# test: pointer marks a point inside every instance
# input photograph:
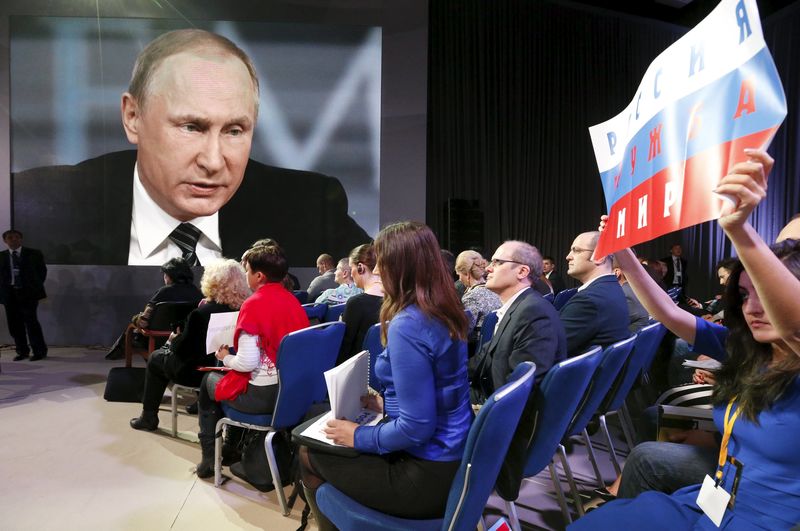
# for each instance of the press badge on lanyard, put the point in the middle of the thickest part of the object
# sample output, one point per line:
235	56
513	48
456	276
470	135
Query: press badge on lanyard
713	498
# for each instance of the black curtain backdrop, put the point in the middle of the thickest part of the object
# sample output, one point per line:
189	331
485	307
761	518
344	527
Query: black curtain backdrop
513	88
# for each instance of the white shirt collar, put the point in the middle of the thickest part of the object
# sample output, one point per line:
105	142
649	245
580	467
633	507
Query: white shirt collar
504	308
151	227
584	286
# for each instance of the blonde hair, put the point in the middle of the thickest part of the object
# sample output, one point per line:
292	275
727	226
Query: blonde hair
471	263
224	281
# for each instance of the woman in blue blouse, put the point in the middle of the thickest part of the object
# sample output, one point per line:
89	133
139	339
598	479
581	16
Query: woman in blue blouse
407	462
757	391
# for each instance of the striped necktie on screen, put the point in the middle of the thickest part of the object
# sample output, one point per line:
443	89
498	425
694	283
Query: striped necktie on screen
185	236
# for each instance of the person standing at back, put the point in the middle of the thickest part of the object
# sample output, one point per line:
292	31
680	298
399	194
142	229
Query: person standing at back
22	275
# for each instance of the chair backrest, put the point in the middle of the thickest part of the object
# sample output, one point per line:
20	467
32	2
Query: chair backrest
301	295
550	297
564	296
169	314
644	350
611	365
372	343
556	400
334	312
487	443
675	293
315	310
487	328
303	357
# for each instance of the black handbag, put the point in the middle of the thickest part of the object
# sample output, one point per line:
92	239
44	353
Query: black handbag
125	384
254	466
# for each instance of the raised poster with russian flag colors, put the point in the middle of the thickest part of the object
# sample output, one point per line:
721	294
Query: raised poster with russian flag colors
702	101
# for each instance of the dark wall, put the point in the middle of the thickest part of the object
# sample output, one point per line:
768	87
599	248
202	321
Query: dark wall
513	88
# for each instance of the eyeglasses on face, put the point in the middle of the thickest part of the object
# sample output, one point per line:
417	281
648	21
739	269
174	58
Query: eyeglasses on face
498	262
576	250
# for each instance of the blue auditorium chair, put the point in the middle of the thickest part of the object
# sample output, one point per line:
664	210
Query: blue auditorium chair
556	401
487	328
334	312
372	343
487	443
303	356
612	362
645	349
316	311
564	296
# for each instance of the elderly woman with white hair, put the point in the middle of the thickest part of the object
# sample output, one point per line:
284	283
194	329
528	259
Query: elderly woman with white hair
224	286
478	299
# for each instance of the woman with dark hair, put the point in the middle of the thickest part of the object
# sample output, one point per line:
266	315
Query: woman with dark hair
407	462
757	392
178	287
362	310
266	316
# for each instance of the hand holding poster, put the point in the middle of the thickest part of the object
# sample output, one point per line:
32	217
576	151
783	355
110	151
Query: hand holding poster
701	102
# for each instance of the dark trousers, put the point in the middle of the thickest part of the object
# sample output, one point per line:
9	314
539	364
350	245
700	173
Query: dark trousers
163	367
257	400
23	325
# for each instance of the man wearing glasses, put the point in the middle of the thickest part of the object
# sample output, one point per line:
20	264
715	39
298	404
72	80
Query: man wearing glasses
528	328
598	313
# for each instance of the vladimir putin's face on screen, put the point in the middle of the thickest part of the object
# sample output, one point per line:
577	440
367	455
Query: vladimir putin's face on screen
193	131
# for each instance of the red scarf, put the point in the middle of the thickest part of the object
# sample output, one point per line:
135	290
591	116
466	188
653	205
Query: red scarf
270	313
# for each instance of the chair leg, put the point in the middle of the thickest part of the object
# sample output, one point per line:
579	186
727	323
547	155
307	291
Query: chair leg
559	493
611	453
627	426
276	476
511	510
219	435
174	406
129	345
593	459
576	498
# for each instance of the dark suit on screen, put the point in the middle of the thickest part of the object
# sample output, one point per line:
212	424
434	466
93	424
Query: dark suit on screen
596	315
22	300
529	331
82	214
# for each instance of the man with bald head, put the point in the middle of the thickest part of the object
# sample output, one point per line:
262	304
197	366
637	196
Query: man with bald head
190	188
528	328
598	313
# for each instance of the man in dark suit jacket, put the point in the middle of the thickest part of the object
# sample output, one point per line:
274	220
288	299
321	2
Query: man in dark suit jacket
549	270
598	313
528	327
676	276
22	275
190	188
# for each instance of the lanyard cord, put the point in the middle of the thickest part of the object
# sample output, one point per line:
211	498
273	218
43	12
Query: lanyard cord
726	436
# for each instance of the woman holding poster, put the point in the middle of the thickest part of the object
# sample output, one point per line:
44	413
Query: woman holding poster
757	392
407	463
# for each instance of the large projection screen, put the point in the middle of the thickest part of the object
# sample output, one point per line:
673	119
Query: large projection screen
344	90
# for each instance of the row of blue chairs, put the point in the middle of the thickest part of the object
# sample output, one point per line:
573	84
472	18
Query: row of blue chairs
572	393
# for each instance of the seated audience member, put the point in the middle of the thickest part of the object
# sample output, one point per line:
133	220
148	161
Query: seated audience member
407	463
326	278
470	268
266	316
543	286
225	288
636	312
528	328
178	287
714	308
450	262
598	313
549	271
362	310
757	391
346	289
